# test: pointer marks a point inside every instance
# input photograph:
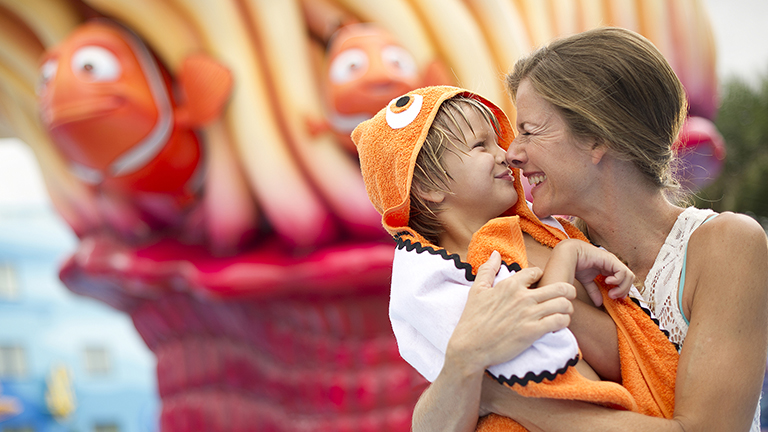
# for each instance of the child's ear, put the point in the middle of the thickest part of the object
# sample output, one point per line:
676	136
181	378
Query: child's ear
431	195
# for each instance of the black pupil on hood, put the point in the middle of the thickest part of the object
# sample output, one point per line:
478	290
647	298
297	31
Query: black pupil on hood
403	101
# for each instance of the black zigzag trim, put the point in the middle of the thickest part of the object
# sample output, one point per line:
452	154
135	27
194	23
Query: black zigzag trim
532	377
655	320
409	245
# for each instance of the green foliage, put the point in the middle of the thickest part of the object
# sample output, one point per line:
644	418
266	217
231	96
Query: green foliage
743	121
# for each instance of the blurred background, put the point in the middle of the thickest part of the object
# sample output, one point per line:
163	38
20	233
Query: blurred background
70	362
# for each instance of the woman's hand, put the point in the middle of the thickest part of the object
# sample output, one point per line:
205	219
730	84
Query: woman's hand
497	324
500	322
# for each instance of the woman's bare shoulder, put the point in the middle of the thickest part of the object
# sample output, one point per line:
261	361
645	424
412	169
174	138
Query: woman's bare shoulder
729	230
729	247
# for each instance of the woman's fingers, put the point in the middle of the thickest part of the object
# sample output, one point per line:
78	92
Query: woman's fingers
522	279
529	276
499	323
486	273
553	323
554	290
556	306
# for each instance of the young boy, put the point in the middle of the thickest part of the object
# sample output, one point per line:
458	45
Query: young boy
433	164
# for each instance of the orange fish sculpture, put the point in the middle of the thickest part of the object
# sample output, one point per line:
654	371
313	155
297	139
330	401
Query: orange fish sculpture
366	68
123	125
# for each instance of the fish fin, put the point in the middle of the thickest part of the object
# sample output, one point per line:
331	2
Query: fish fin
206	85
317	126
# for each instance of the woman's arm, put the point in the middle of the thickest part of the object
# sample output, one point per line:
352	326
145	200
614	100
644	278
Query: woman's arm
722	362
497	324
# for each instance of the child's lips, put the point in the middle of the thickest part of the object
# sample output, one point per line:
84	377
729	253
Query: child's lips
506	175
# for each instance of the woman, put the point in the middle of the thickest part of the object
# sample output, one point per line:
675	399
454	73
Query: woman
597	114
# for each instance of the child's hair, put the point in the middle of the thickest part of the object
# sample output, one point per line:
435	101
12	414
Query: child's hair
429	174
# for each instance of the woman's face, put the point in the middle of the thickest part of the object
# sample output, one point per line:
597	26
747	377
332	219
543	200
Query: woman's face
557	165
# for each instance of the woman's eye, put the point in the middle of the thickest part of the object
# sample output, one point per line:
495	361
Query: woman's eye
94	63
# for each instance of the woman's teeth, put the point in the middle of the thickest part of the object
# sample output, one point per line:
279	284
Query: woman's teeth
535	179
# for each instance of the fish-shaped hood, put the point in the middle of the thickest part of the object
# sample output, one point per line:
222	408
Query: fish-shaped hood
389	143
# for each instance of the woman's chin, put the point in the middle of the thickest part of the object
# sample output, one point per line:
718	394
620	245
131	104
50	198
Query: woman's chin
540	211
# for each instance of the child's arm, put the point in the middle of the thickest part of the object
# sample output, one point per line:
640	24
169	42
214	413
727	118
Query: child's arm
576	259
593	328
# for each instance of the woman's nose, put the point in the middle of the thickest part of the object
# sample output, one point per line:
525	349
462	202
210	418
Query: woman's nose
515	155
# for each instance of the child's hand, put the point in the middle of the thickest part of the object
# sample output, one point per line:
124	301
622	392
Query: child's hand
590	262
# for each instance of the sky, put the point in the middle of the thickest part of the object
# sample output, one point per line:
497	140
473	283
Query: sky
741	37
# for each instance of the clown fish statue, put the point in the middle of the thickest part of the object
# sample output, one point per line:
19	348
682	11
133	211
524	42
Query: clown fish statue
365	68
124	126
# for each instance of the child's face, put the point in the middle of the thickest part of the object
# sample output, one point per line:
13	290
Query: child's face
482	186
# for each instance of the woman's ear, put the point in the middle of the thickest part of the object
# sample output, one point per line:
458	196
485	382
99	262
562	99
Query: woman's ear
599	149
432	195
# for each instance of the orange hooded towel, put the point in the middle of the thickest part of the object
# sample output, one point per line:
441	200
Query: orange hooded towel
388	145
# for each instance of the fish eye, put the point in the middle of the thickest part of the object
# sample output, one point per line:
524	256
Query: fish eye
47	72
400	60
94	63
348	65
403	110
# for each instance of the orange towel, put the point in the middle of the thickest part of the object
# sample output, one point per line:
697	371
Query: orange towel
648	358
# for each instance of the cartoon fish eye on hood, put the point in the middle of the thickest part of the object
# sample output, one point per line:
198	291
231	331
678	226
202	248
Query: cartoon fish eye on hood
403	110
94	64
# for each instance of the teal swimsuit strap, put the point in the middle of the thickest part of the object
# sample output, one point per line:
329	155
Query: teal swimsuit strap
682	278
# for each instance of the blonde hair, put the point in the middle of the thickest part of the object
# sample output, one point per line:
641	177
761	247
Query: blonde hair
612	85
429	173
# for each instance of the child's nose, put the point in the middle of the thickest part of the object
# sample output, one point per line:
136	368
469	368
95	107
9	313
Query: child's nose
500	156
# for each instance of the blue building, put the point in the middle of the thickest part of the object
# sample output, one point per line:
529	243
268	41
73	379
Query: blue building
69	363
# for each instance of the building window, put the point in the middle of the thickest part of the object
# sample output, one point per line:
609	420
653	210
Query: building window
97	361
9	287
13	362
106	427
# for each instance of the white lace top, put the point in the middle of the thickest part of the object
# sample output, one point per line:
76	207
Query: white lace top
663	289
661	285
